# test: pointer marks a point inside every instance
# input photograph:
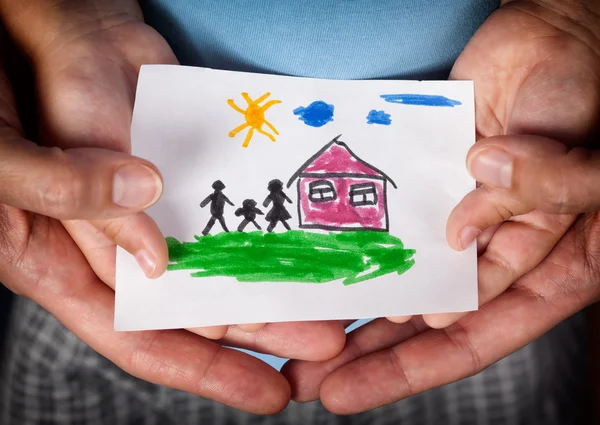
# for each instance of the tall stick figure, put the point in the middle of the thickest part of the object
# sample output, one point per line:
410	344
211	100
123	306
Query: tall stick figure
217	202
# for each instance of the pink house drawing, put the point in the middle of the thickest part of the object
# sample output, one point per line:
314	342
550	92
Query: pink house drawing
339	191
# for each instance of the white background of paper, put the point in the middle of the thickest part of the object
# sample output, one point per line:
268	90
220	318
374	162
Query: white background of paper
181	123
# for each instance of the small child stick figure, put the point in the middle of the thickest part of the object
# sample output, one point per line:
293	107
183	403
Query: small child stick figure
249	211
217	202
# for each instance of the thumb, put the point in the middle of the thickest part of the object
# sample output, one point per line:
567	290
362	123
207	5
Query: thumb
540	172
87	183
520	174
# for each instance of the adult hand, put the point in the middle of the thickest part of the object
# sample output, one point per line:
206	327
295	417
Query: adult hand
86	77
87	57
536	72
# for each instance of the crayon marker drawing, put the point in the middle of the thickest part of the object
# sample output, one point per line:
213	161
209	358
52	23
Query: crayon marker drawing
421	100
254	115
293	256
336	191
378	117
317	114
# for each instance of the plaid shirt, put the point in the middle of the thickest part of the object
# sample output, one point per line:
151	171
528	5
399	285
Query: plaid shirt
50	377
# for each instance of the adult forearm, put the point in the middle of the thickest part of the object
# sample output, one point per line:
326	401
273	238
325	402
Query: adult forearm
36	24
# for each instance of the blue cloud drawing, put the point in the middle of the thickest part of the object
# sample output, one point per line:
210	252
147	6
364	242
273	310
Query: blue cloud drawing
317	114
378	117
421	100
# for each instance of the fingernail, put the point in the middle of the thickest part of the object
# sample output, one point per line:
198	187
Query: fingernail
399	319
492	166
136	186
467	236
146	261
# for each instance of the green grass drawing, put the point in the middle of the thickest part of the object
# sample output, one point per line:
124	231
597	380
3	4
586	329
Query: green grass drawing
293	256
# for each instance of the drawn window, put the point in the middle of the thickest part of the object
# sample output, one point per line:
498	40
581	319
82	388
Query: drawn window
363	194
321	191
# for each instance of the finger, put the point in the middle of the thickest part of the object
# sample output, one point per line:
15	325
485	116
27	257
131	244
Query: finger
306	377
99	251
86	183
399	319
437	357
251	327
140	236
210	332
314	341
485	237
541	172
520	174
478	211
517	248
56	276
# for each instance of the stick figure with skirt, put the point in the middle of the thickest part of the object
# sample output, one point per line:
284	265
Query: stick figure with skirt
278	212
217	202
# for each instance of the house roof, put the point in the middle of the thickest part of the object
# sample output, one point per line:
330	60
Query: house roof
336	158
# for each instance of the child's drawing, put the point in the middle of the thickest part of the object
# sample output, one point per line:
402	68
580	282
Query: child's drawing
314	226
293	256
255	117
421	100
378	117
339	191
317	114
217	202
249	212
278	213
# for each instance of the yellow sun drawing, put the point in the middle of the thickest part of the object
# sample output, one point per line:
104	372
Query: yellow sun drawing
255	117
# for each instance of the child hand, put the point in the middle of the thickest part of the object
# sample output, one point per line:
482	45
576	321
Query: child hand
86	87
96	71
535	73
527	181
86	66
520	175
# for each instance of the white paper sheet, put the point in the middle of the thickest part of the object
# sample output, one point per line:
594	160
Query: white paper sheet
182	120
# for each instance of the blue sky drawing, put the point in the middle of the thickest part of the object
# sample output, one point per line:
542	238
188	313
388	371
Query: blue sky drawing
317	114
421	100
378	117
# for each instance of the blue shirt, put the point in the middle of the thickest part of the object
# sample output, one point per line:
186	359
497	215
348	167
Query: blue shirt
341	39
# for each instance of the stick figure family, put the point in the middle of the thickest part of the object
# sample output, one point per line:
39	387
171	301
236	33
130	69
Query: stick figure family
248	210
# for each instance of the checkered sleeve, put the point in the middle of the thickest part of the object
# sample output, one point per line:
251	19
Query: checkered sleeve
49	377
